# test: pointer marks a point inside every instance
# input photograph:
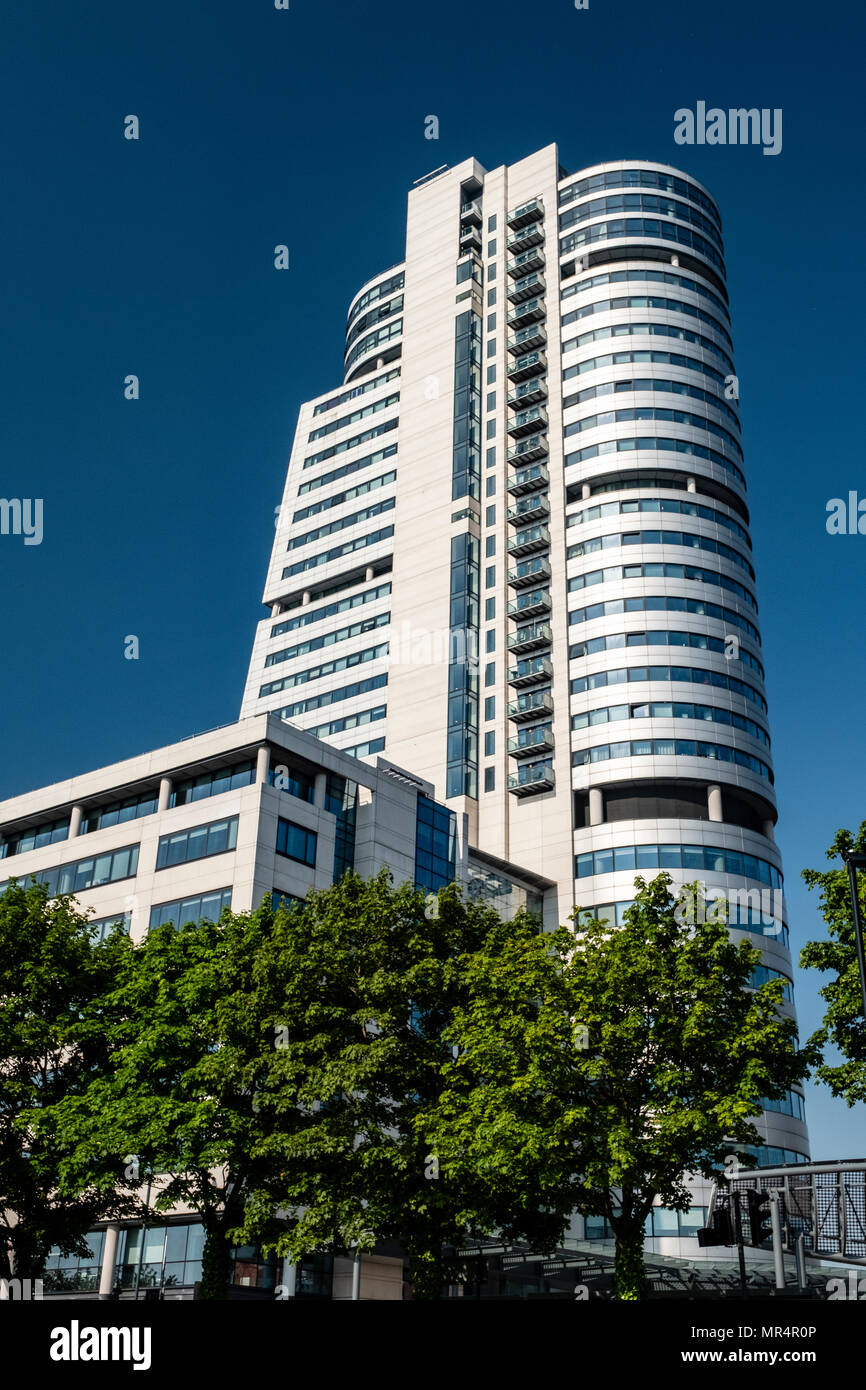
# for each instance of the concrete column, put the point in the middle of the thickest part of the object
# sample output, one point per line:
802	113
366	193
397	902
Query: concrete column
319	785
75	822
165	789
370	573
585	490
289	1278
596	806
356	1277
691	485
767	830
109	1261
305	597
263	763
714	803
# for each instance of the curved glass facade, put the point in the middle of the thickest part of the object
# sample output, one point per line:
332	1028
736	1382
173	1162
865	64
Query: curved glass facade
692	466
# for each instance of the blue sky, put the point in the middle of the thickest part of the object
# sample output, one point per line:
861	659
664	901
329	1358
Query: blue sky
306	127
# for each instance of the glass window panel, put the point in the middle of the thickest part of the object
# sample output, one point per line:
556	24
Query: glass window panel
647	856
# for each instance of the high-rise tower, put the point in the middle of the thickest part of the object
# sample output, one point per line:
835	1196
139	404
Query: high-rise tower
513	552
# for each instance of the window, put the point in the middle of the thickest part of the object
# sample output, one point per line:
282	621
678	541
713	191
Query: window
491	374
203	907
468	270
341	799
75	1273
89	873
490	489
220	779
337	552
292	780
489	743
101	927
491	347
295	842
489	608
160	1256
328	639
491	328
330	609
491	429
490	640
118	812
489	576
35	837
490	546
491	271
491	400
491	222
435	844
491	247
490	673
490	707
491	457
201	842
327	668
489	779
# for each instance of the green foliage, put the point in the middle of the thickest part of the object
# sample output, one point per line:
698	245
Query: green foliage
363	983
188	1040
599	1069
843	1025
52	1045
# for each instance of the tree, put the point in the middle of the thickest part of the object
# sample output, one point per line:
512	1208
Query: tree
612	1062
843	1025
364	979
188	1043
52	1044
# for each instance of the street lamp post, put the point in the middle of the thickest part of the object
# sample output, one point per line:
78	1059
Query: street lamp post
853	863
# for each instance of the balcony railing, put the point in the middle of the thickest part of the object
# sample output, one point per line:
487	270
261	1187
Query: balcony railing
528	572
530	706
530	638
530	605
527	421
532	671
525	542
529	392
533	259
528	450
531	778
470	239
471	212
529	742
530	479
529	312
532	234
526	287
535	507
529	364
534	335
526	213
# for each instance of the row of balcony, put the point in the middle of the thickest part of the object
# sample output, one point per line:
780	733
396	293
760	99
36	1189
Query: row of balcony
531	640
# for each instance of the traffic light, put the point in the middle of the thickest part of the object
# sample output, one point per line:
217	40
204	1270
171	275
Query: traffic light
760	1222
721	1229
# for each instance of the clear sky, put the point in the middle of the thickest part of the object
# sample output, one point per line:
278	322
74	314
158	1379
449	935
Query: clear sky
306	127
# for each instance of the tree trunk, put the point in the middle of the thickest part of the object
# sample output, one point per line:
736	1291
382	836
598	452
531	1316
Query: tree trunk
215	1265
630	1273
